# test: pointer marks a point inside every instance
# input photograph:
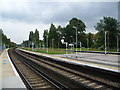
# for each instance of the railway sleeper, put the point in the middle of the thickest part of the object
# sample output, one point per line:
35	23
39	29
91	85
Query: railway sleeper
67	74
35	82
40	84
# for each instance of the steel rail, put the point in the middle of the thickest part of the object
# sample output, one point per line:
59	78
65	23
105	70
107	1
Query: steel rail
100	82
55	83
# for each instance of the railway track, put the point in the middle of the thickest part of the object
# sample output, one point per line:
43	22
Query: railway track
32	78
62	74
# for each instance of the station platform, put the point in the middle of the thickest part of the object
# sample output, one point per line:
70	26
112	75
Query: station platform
107	62
9	78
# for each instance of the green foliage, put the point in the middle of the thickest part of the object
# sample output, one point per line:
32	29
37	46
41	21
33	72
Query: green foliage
79	24
36	38
112	27
60	35
45	37
4	40
1	37
53	36
69	32
25	43
33	38
90	39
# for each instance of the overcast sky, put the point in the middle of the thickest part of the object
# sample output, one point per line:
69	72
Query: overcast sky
18	18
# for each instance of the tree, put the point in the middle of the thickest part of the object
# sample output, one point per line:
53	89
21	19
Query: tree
59	34
69	32
1	37
45	37
31	38
90	37
25	43
36	38
4	40
111	26
79	24
53	36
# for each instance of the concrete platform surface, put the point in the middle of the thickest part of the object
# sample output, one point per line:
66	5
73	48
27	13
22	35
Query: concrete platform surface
9	78
108	62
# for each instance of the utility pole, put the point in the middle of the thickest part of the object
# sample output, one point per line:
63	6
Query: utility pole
105	43
87	44
117	44
76	40
32	45
52	43
58	45
47	42
66	47
80	46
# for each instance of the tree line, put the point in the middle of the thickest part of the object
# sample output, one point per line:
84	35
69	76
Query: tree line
52	36
5	41
33	41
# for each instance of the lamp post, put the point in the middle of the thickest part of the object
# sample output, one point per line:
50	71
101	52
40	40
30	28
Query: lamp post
32	45
58	45
47	41
105	43
87	44
70	40
80	46
62	40
76	40
117	44
52	43
4	46
66	47
71	43
40	45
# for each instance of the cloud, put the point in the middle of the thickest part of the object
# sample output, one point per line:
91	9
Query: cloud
30	12
48	12
26	16
87	12
19	31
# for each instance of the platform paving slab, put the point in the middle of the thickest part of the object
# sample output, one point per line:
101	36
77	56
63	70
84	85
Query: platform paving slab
9	76
108	62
